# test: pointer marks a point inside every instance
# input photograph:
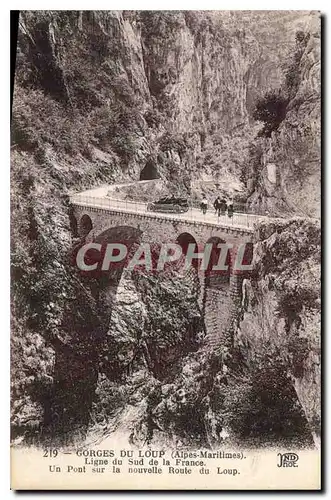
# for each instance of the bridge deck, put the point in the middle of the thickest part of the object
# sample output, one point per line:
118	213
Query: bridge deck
238	220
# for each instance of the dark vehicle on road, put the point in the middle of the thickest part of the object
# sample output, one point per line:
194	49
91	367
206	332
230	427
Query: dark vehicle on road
169	204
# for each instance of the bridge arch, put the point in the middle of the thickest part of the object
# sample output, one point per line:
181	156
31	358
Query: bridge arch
85	225
149	172
184	239
126	235
221	278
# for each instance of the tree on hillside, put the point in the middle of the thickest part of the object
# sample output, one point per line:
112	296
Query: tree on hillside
270	109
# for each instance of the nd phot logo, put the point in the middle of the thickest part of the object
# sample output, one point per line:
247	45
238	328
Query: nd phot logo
287	459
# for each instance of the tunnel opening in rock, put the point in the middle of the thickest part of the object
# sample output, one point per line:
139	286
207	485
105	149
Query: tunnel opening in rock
149	172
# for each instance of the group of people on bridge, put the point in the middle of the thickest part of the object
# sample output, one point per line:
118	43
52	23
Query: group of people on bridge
221	206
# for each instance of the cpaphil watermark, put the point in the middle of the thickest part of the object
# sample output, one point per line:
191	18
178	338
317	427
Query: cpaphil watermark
210	258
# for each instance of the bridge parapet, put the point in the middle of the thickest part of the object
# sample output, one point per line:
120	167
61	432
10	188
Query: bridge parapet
240	224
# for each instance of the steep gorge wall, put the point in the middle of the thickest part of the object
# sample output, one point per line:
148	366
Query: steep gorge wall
174	88
280	323
290	163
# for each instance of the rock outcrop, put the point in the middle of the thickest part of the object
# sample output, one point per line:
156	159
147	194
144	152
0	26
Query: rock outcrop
280	323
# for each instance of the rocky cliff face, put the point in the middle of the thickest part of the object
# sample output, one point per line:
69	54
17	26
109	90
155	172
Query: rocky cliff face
289	170
182	86
280	323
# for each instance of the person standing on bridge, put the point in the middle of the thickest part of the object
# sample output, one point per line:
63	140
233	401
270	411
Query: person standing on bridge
223	206
204	205
230	209
217	206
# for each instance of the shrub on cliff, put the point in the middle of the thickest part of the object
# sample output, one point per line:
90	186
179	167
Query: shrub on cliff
153	118
38	120
271	110
175	142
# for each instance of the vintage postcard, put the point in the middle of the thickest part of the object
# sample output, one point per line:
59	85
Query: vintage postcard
165	250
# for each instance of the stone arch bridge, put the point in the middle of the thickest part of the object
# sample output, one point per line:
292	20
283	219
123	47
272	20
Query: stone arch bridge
94	213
